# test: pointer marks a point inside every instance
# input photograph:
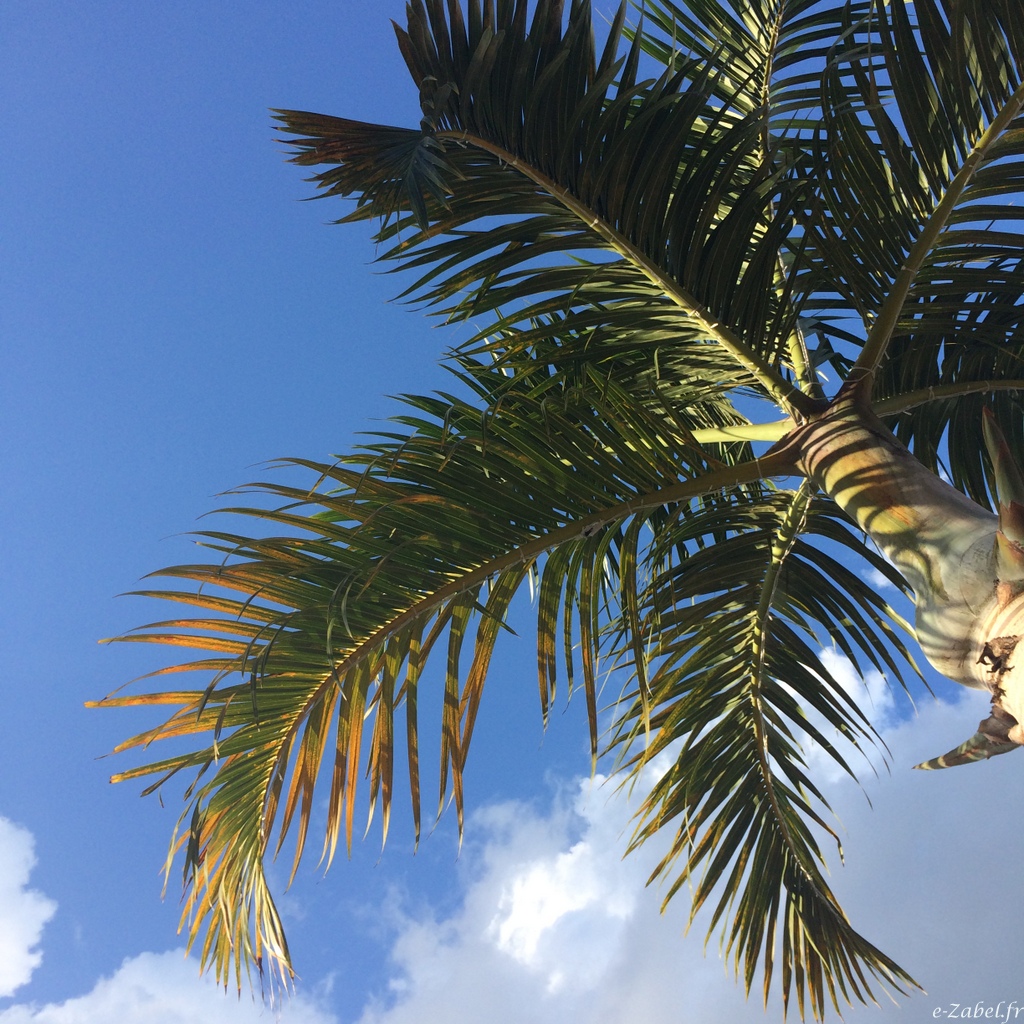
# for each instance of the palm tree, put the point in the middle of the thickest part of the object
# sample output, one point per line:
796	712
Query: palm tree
738	280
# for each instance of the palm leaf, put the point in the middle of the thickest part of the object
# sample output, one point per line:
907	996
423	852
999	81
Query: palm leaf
739	692
665	207
646	263
934	176
334	617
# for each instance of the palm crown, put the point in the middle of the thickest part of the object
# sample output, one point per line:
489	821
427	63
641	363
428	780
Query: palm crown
736	223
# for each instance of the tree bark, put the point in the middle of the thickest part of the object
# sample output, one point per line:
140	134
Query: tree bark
968	620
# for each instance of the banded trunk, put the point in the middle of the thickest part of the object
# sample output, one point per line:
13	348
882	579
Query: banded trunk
965	564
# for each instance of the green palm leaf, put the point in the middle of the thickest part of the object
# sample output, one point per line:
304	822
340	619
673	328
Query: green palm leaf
740	693
934	176
803	209
336	618
571	162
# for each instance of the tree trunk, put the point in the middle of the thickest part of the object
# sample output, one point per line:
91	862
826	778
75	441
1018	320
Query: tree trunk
950	550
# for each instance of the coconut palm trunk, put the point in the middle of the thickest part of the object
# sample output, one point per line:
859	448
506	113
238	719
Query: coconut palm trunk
735	287
964	563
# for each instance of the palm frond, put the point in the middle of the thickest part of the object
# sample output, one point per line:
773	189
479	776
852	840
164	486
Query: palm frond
644	263
388	562
427	532
738	694
921	159
664	201
959	99
770	54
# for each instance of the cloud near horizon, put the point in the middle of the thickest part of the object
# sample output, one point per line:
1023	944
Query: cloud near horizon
165	988
553	923
23	911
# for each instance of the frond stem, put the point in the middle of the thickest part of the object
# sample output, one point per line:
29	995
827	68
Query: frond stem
912	399
776	463
774	431
788	396
863	371
789	530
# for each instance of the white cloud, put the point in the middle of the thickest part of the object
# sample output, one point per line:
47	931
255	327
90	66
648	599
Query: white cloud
877	579
153	988
875	697
554	925
23	912
542	925
164	988
870	692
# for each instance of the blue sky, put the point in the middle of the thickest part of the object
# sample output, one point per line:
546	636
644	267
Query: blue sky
171	317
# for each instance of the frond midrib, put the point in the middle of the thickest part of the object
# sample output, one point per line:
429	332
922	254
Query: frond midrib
883	329
789	397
